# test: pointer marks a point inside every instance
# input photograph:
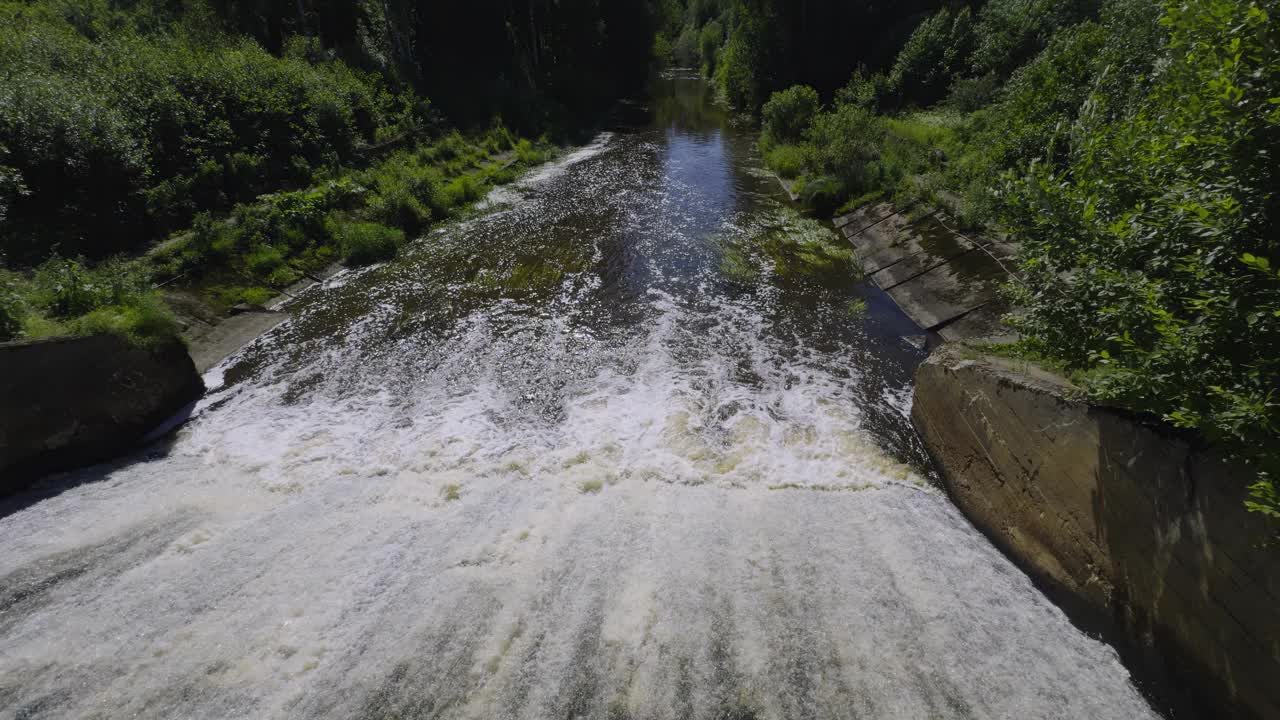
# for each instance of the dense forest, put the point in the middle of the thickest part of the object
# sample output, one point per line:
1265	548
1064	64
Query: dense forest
1128	147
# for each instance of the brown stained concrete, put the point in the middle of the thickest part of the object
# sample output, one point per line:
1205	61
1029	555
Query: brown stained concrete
1142	534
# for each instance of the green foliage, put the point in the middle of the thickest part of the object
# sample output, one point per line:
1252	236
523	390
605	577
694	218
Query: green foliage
1150	259
463	190
786	160
788	114
845	144
937	52
1044	97
256	296
710	39
11	306
67	297
1009	32
143	319
364	243
406	193
117	134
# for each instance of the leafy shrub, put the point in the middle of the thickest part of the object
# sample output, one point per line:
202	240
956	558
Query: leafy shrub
1009	32
463	189
256	296
786	160
845	144
789	113
684	51
1045	96
1150	260
117	135
823	194
406	193
66	296
973	93
864	90
143	319
11	310
710	39
364	243
263	259
936	53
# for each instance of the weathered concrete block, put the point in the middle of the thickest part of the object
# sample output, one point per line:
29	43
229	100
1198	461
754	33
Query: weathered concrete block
73	401
1143	533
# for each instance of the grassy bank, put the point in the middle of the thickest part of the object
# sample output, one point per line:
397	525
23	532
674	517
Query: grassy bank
250	253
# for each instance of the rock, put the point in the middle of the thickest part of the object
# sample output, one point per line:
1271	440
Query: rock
1138	532
69	402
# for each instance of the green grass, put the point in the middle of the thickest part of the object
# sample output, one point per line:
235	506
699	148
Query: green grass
66	297
365	243
591	487
356	216
786	160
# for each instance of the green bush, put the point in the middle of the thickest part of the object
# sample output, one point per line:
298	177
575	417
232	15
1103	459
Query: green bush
463	190
256	296
263	259
11	307
786	160
788	114
406	192
144	319
845	144
364	243
710	39
1010	32
936	53
118	135
67	296
1151	259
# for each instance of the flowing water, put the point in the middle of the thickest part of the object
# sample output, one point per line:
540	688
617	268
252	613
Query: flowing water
632	442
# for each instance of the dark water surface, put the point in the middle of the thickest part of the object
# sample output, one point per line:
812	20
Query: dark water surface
630	443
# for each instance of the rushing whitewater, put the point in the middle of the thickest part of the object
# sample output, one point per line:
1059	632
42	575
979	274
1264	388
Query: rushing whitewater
629	443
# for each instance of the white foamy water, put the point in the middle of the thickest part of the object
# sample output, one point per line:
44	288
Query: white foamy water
635	492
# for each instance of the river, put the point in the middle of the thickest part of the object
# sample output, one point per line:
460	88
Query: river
631	442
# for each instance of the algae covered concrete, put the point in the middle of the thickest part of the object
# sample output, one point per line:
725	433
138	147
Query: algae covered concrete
73	401
1145	535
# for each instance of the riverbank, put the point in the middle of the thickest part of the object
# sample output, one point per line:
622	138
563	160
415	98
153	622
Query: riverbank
275	244
1138	532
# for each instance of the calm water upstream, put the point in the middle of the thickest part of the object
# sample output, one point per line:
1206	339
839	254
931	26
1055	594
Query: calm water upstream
631	443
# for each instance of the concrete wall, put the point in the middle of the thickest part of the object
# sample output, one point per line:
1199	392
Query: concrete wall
1139	532
73	401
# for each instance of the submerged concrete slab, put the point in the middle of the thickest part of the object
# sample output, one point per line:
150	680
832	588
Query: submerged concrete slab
982	323
213	344
920	248
882	244
948	291
864	217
